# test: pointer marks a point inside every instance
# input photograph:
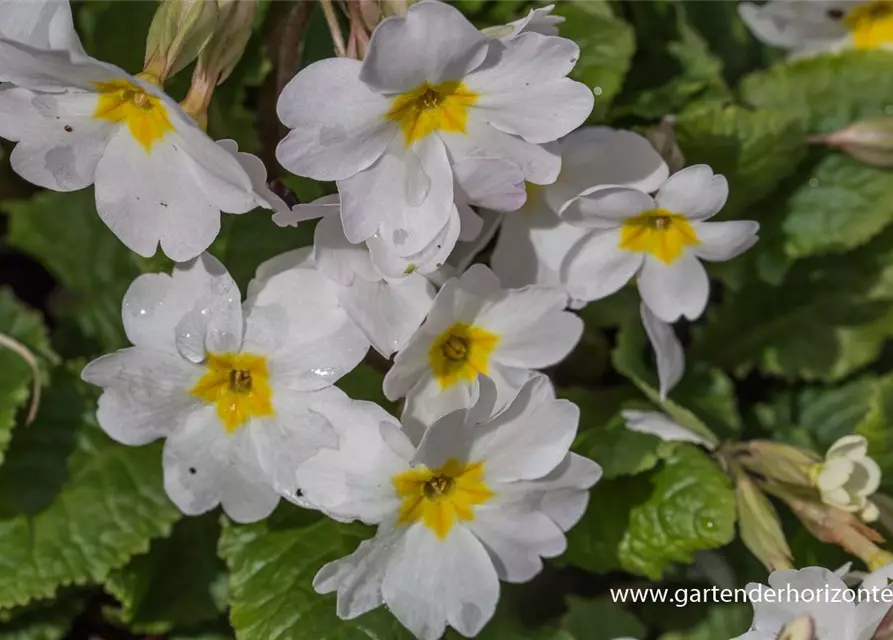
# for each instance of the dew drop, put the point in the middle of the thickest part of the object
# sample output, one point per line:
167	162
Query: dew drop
889	109
597	91
813	182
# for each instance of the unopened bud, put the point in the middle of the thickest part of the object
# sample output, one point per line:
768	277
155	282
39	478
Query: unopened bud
394	7
225	49
663	139
760	527
802	628
780	462
848	477
869	141
179	31
371	12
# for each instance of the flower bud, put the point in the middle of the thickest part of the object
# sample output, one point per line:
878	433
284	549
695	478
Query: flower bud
848	477
663	139
869	141
225	49
760	528
802	628
179	31
780	462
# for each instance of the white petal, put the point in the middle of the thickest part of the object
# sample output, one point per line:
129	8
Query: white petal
537	21
853	446
658	424
596	266
523	89
355	480
320	342
296	432
606	207
793	24
832	618
337	258
431	583
534	330
44	70
214	323
150	198
427	402
565	491
145	393
674	290
384	199
410	365
517	540
42	24
541	164
492	183
337	123
597	156
388	312
319	208
205	466
257	173
449	437
464	253
471	224
720	241
434	43
694	192
667	350
396	266
530	437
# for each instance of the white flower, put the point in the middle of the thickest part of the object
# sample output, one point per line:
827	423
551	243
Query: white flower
257	174
662	426
539	20
42	24
534	244
475	328
658	239
810	27
239	391
848	477
158	177
667	350
833	618
479	500
432	92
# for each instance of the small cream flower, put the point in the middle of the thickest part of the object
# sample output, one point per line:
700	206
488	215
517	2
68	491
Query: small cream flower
848	477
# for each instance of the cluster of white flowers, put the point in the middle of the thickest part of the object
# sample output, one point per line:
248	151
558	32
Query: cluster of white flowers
475	483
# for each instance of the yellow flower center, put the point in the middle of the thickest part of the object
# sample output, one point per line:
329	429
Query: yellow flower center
429	108
659	232
239	385
871	24
461	353
121	101
440	498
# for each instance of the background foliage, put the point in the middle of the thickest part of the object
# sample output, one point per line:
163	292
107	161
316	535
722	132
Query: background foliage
795	347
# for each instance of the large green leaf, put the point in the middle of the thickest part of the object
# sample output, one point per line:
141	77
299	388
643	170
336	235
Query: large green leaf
73	504
691	508
25	326
874	424
272	564
754	150
63	232
600	620
618	450
607	44
44	620
721	622
826	92
180	583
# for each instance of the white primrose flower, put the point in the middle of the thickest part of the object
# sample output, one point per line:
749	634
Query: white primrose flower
661	425
239	391
668	351
660	240
832	618
158	177
808	27
42	24
432	92
481	499
848	477
476	328
534	244
539	20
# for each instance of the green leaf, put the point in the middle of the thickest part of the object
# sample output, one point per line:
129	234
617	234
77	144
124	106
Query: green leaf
593	543
607	44
26	326
874	425
691	508
73	504
45	620
805	328
754	150
180	583
272	564
826	92
618	450
600	620
721	622
91	263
